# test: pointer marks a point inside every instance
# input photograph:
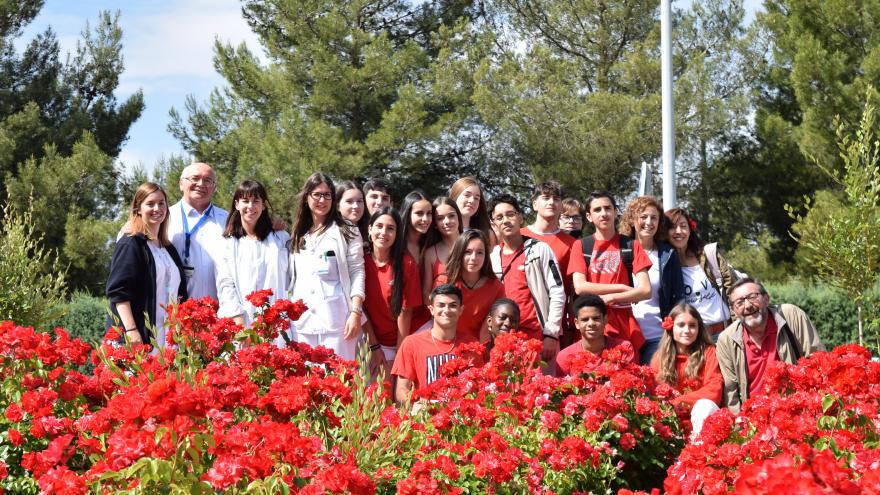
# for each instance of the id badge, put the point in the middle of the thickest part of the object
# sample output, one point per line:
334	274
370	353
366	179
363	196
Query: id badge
188	271
323	266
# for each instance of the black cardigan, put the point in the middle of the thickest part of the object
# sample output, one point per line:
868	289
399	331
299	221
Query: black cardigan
133	278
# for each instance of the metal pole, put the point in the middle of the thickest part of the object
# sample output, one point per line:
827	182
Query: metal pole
669	182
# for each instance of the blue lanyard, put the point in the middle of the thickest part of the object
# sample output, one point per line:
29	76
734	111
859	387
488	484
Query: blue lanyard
189	233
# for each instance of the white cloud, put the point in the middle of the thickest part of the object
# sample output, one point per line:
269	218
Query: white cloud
177	38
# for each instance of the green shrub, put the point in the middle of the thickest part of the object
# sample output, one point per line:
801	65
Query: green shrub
84	317
831	311
32	281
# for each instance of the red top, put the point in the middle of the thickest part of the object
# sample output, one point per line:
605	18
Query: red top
517	288
377	299
758	357
565	356
475	304
606	267
421	355
438	267
709	385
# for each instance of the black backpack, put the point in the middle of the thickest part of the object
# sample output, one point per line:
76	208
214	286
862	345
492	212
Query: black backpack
588	243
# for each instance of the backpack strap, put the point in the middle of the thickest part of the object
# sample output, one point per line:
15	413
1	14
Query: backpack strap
710	251
587	246
627	255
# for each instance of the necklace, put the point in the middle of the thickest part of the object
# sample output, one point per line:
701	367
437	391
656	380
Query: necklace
469	286
433	339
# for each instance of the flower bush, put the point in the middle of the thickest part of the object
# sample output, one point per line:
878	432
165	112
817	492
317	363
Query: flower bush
223	410
815	429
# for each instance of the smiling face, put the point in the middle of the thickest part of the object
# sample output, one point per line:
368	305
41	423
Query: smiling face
502	319
547	206
377	198
750	305
679	233
198	183
446	221
590	322
648	221
383	232
421	216
152	210
446	309
601	213
351	205
685	330
469	200
320	201
250	209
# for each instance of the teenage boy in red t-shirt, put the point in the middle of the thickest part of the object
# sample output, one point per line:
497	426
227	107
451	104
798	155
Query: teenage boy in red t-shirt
547	204
590	318
607	274
420	356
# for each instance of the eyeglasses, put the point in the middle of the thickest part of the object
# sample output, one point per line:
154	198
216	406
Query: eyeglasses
570	218
195	179
752	298
317	196
510	215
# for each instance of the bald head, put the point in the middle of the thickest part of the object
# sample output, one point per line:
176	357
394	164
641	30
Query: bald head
197	183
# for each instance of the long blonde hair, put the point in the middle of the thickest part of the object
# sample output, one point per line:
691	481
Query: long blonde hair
134	218
697	350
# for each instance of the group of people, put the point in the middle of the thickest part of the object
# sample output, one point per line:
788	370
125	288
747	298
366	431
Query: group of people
414	283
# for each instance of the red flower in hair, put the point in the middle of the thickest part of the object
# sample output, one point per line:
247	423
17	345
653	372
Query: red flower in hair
692	224
667	324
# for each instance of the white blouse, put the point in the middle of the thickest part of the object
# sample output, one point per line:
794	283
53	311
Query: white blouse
249	265
647	312
167	284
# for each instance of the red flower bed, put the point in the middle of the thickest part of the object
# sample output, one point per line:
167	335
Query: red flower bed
816	430
223	410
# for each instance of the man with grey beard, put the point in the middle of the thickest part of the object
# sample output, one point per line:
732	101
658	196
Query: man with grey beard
760	335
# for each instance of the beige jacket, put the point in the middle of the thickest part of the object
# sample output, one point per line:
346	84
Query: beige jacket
731	355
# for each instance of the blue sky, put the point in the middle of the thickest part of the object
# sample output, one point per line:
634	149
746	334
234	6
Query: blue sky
168	53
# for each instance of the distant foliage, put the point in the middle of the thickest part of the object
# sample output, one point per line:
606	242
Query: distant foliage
831	311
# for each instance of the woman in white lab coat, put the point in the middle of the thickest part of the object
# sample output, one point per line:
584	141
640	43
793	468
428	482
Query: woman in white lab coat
327	270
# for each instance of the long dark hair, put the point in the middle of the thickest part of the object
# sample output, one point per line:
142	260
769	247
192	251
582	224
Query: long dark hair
406	212
341	189
398	250
694	243
666	352
434	236
303	219
249	189
455	264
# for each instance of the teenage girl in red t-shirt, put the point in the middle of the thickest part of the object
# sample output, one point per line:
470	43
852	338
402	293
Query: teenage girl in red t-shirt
686	361
417	216
470	269
393	291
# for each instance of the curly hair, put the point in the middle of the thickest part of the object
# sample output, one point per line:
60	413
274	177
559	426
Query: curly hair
629	222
